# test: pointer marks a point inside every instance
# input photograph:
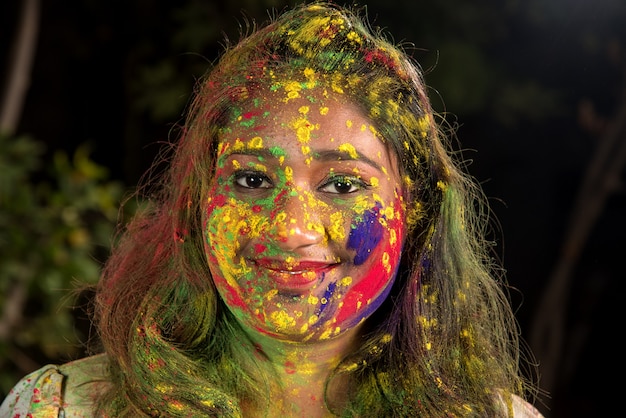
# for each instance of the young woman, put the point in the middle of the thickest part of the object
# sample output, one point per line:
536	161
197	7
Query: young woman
314	252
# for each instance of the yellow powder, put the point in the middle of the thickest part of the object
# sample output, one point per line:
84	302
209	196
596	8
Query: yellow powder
349	148
346	281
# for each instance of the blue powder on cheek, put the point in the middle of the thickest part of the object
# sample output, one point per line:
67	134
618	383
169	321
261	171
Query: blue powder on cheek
327	295
365	236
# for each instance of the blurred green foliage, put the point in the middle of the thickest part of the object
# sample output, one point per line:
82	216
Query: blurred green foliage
56	224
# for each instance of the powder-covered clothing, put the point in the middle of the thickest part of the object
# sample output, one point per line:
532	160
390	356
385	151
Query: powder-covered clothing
66	391
70	390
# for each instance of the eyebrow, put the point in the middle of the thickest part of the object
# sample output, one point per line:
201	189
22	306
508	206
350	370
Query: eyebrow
322	156
335	155
254	152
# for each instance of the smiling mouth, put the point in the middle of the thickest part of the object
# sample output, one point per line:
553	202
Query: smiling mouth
297	274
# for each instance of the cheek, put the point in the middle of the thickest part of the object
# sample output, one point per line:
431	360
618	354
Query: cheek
230	226
365	235
376	239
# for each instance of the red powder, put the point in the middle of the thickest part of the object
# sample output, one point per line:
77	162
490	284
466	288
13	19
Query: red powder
380	56
290	368
219	200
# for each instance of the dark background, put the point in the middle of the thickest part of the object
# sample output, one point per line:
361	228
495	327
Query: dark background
536	88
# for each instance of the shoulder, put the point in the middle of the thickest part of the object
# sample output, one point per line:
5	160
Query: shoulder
70	389
519	408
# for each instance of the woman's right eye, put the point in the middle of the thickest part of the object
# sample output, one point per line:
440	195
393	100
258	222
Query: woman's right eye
253	180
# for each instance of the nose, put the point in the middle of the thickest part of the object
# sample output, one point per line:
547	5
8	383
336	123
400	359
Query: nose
299	223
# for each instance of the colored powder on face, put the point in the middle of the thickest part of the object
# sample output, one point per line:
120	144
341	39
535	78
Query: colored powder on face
326	297
349	149
365	236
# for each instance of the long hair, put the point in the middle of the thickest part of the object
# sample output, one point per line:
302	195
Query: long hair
444	343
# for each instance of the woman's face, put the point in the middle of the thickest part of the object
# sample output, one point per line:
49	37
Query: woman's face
304	220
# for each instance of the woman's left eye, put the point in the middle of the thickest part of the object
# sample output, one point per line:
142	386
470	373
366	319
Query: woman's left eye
343	185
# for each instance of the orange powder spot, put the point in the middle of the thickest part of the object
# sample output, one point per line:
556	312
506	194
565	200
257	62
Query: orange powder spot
349	148
222	147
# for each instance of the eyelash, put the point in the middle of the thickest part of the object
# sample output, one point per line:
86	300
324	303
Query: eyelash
355	183
243	175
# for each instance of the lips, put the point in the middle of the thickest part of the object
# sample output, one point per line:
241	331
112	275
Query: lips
296	274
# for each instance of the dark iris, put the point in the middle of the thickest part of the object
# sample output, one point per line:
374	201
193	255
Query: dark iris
254	181
343	186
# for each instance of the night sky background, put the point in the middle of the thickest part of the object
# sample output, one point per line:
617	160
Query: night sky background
536	87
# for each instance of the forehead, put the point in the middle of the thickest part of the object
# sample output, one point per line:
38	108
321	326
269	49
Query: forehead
312	116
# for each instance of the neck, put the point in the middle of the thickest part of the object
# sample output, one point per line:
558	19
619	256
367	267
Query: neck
303	369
